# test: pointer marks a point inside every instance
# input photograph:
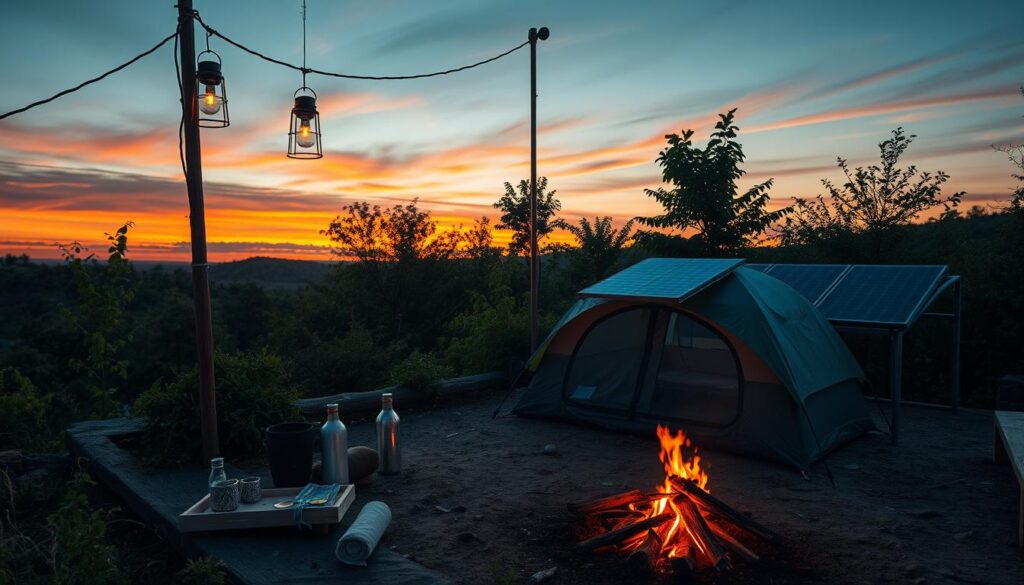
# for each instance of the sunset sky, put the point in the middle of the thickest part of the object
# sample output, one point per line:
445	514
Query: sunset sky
812	81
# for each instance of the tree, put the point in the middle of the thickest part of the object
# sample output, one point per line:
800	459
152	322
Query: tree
399	279
874	200
598	249
1015	152
515	214
705	196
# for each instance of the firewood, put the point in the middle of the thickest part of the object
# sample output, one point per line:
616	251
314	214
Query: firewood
618	535
701	533
734	546
644	559
607	504
713	504
684	564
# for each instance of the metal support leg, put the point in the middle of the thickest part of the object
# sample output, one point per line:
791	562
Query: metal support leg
896	381
955	362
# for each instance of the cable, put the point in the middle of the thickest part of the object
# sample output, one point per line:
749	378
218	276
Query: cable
305	70
91	81
181	98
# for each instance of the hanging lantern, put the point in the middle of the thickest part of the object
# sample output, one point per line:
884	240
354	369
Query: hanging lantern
304	132
211	107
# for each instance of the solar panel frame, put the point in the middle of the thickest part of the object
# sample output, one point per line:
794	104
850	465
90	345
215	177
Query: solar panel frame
661	279
925	286
797	276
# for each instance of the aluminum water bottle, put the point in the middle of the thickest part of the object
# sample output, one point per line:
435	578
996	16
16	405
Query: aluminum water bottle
388	445
334	448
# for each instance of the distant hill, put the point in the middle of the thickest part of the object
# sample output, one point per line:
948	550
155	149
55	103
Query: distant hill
272	271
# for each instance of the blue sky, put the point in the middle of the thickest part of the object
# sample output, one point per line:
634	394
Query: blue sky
812	81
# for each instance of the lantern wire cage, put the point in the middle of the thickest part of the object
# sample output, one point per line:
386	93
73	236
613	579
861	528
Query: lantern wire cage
304	136
210	108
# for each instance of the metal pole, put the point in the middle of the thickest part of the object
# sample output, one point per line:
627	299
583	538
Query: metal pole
534	36
955	362
197	225
896	381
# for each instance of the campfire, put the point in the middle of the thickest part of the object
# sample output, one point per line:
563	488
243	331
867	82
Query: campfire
679	527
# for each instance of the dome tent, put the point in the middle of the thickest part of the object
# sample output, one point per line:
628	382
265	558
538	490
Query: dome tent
737	358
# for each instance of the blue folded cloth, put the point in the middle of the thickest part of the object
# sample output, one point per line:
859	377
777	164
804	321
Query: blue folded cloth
311	493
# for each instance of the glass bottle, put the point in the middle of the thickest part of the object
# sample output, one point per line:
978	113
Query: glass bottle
334	448
217	470
388	445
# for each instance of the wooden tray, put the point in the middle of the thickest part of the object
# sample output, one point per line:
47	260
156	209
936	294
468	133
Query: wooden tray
263	514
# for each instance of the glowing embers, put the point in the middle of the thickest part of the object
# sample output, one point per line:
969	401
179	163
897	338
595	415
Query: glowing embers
677	528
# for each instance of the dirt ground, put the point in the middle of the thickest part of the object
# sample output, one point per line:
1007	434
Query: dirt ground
480	502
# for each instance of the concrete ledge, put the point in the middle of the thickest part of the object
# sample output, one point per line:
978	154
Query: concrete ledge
369	402
267	556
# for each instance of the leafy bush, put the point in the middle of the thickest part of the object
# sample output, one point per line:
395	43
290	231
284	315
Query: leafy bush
489	336
420	371
252	393
204	571
23	413
80	553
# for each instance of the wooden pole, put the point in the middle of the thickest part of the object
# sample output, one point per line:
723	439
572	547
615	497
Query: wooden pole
534	36
197	225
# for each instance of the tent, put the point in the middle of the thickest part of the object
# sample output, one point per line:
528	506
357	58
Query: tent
737	358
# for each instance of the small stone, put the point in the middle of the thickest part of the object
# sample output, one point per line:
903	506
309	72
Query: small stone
912	569
468	537
442	509
541	576
852	467
549	449
478	517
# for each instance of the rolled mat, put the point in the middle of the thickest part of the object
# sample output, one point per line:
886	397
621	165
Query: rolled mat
358	542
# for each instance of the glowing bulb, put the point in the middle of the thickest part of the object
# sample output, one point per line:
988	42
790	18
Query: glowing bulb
305	137
210	104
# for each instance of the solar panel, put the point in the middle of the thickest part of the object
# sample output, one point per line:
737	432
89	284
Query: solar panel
759	267
663	278
810	280
881	295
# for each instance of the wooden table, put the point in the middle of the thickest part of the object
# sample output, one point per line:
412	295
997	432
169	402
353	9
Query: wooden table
1009	448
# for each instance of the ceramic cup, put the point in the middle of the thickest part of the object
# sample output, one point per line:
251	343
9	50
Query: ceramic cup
224	495
251	492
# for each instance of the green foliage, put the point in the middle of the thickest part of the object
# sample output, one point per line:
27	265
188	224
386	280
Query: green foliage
420	371
204	571
598	251
97	322
878	200
490	335
705	196
252	393
515	214
69	546
351	363
23	414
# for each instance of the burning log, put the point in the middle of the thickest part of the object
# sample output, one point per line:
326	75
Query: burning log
685	562
645	559
701	533
713	504
618	535
736	547
611	503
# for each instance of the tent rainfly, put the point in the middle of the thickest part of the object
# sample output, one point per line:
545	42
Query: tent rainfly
737	358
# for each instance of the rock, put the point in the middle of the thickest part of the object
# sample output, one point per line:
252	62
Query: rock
442	509
468	537
362	463
478	517
549	449
963	536
541	576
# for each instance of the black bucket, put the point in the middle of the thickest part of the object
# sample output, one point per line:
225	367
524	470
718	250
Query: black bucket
290	451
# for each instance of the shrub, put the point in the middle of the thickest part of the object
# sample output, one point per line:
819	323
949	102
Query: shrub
420	371
204	571
80	554
489	336
23	410
252	393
